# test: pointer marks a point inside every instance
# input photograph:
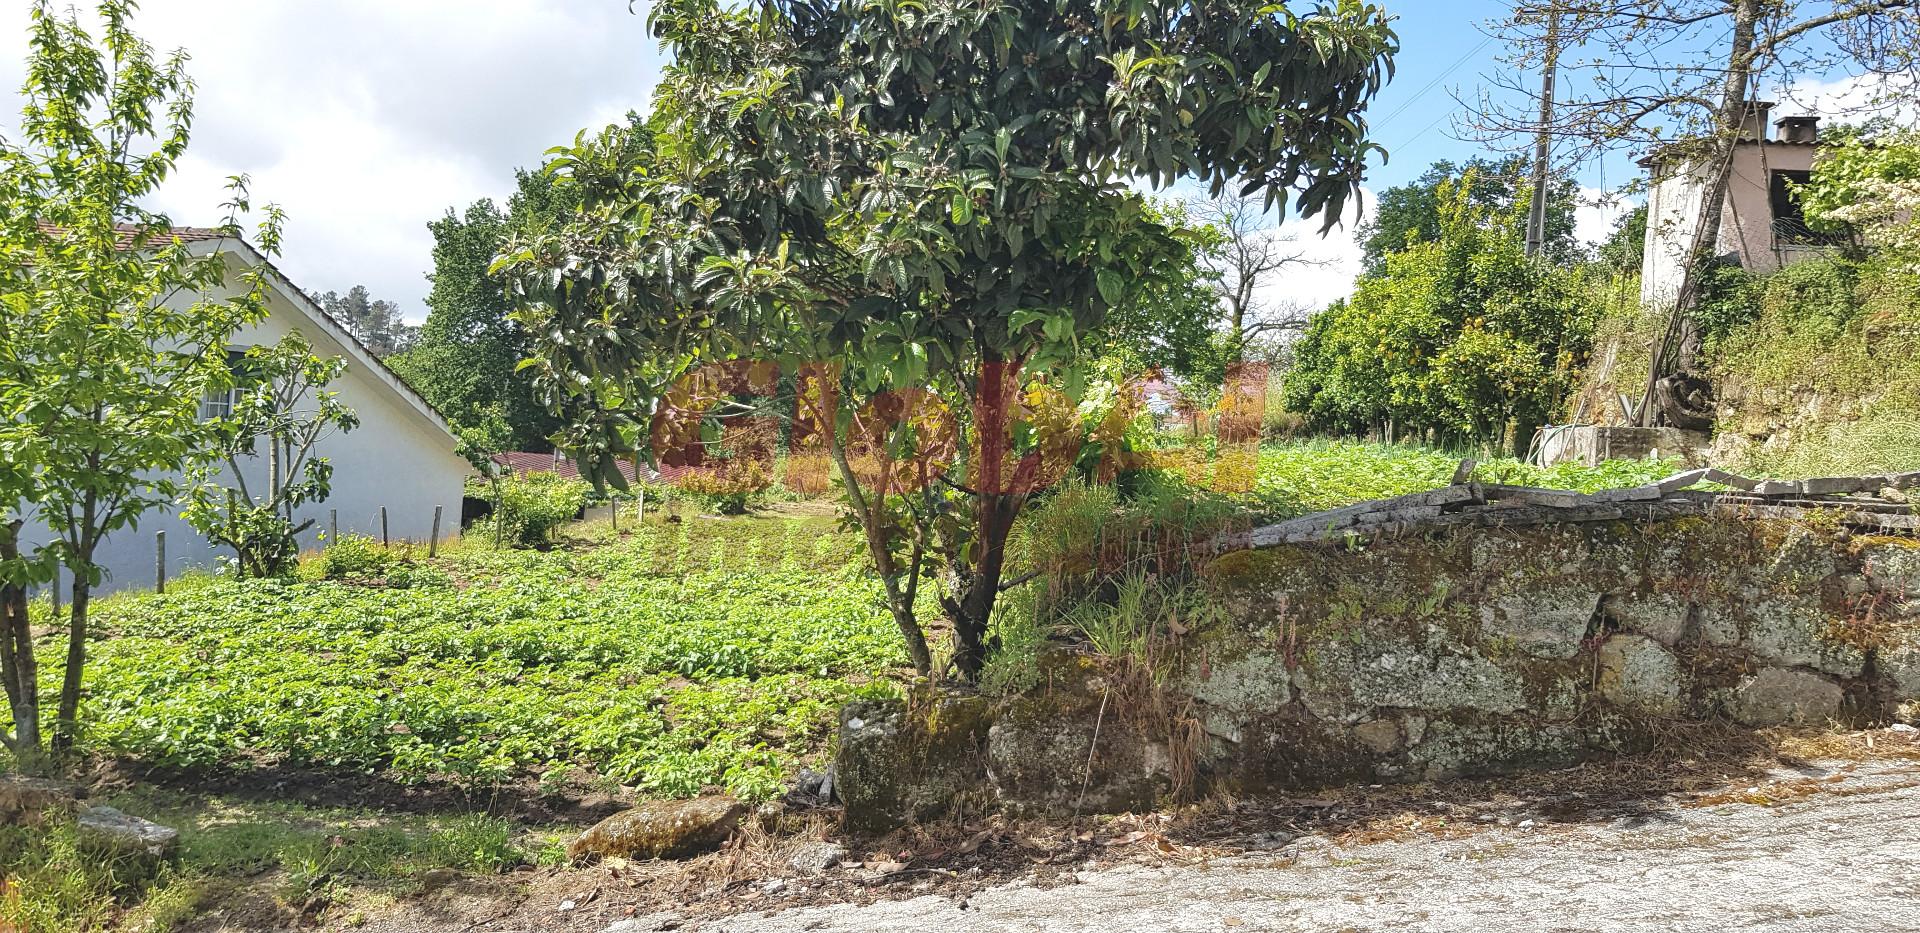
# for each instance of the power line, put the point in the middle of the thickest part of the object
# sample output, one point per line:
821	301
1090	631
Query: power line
1435	82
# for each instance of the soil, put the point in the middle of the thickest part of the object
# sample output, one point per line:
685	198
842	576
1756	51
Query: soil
1724	833
576	801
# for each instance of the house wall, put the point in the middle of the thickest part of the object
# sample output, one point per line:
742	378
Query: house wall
398	457
1746	230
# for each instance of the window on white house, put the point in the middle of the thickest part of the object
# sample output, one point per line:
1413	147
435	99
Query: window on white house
218	403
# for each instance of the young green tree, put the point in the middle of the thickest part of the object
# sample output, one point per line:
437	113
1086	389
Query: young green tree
1869	183
106	341
1464	334
921	208
281	410
465	359
1409	214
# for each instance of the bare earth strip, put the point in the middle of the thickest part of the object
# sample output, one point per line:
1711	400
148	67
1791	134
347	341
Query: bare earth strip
1846	859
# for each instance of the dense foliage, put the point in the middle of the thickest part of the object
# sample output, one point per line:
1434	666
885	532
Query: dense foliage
465	359
1413	213
109	334
1869	182
529	506
1815	366
673	658
1462	336
924	196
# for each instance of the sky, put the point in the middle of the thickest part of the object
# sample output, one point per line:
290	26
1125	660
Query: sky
366	119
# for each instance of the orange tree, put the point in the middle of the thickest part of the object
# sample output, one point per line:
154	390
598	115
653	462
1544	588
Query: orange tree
920	207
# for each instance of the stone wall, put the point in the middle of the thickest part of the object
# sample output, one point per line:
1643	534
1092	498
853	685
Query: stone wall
1463	651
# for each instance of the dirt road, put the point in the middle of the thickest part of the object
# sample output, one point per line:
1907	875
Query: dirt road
1845	856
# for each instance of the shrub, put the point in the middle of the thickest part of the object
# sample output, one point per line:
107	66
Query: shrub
532	505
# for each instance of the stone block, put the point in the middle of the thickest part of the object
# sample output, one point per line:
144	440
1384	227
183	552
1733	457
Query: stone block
1638	675
1900	665
25	801
1382	736
1344	682
107	830
896	765
1776	697
1792	632
1463	748
1054	765
1545	621
1659	616
1231	689
1893	567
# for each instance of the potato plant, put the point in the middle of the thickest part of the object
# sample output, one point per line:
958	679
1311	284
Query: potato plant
682	656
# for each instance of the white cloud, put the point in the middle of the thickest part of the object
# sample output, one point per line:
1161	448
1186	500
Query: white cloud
1596	214
366	119
1853	99
1336	255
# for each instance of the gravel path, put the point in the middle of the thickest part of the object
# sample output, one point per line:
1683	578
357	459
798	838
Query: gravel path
1844	858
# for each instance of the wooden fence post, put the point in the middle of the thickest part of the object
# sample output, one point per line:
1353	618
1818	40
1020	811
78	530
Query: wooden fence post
333	526
385	541
160	562
613	510
433	543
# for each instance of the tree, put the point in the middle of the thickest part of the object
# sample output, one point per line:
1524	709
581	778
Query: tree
1170	318
466	360
107	351
377	324
1465	335
1252	251
1663	72
280	401
1868	182
1625	249
919	209
1409	214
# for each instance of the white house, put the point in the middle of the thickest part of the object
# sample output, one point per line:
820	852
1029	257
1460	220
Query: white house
1762	227
402	456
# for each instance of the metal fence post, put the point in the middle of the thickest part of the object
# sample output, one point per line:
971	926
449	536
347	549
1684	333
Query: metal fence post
333	526
613	511
433	542
385	541
160	562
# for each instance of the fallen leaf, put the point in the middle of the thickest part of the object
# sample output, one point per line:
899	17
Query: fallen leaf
979	839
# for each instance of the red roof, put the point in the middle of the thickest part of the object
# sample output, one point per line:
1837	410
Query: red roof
127	231
521	462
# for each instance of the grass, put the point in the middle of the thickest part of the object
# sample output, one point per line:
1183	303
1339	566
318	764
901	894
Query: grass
297	860
1296	479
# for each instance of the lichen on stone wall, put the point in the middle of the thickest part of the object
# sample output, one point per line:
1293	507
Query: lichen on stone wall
1456	653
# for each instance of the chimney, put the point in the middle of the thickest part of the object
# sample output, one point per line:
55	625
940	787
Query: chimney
1754	125
1800	130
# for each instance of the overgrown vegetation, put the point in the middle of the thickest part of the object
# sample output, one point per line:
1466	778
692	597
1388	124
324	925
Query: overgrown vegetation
672	658
528	507
305	859
1817	366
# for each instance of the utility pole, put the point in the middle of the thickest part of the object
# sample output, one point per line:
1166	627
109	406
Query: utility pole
1543	146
